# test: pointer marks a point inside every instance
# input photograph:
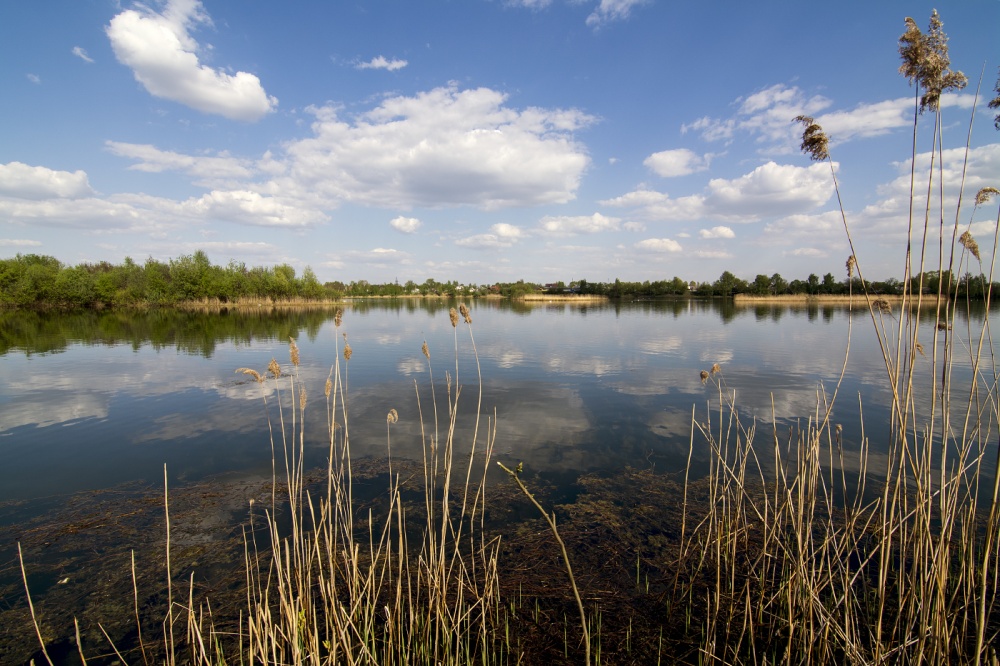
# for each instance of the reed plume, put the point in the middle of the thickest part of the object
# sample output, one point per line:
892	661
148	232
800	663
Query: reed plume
970	244
926	61
815	142
985	194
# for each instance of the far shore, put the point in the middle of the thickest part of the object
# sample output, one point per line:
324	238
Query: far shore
562	298
834	299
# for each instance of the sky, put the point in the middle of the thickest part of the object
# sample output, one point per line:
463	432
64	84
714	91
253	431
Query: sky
481	140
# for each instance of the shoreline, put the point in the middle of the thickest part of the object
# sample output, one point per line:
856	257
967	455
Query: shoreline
831	299
562	298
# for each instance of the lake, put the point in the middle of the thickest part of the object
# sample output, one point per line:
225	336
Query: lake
95	406
94	400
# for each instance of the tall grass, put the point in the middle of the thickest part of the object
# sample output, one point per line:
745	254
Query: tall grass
336	587
799	561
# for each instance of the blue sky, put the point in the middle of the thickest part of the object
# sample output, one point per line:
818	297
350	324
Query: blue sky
477	140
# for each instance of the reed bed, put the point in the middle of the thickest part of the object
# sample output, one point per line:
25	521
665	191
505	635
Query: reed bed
798	561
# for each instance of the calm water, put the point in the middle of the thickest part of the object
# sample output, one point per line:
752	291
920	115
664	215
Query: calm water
91	401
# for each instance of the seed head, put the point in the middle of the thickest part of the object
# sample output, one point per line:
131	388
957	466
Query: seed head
274	368
391	417
704	376
985	194
328	387
293	350
453	316
302	398
716	368
465	313
425	351
253	373
347	352
970	244
920	348
926	62
338	317
851	263
815	143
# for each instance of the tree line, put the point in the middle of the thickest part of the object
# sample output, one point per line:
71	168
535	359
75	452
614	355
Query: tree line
35	280
32	280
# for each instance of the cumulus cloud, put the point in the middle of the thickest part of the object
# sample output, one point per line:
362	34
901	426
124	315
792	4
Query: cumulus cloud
38	183
679	162
573	225
81	53
717	232
889	214
380	62
445	147
163	57
609	11
769	190
407	225
501	235
658	245
251	208
153	160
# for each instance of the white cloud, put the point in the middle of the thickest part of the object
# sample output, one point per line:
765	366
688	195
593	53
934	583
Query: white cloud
807	252
380	256
251	208
407	225
163	56
658	245
380	62
717	232
153	160
444	147
766	113
88	214
612	10
38	183
582	224
501	235
678	162
34	78
81	53
825	224
890	213
769	190
16	242
711	254
634	226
